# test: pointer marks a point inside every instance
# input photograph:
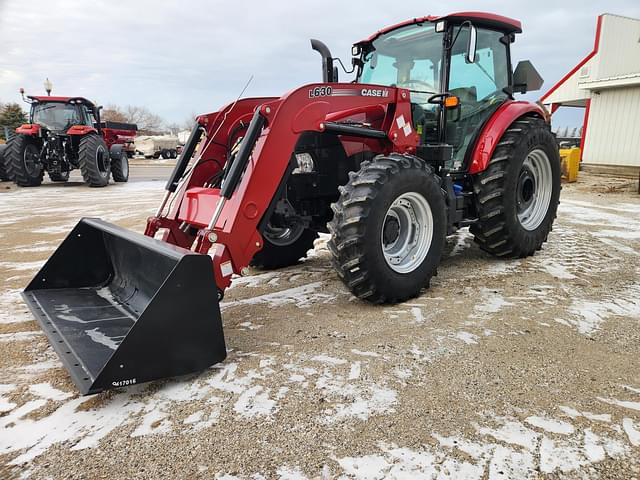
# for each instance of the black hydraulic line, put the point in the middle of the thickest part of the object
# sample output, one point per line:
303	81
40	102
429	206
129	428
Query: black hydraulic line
185	157
232	178
353	130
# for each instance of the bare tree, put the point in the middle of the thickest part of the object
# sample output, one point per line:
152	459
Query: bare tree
113	113
148	122
174	128
189	122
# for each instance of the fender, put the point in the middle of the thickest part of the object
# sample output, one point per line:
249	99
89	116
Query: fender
81	130
28	129
115	151
493	130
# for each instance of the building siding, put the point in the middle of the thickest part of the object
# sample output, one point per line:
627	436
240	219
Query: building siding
613	135
619	52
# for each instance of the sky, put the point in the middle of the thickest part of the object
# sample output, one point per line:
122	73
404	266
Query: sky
182	58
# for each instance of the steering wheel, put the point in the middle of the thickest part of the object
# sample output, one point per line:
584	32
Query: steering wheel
409	83
419	90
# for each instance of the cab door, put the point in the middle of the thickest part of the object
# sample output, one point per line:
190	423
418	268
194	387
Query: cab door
481	86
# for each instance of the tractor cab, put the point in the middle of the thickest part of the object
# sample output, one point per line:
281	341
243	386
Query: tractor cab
58	114
457	69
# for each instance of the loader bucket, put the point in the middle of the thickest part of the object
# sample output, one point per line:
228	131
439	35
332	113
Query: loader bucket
120	308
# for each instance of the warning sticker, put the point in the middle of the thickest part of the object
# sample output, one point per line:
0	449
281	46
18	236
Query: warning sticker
226	269
406	127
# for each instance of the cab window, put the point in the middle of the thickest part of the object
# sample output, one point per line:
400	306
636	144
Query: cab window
480	86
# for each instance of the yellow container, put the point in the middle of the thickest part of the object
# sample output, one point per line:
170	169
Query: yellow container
570	164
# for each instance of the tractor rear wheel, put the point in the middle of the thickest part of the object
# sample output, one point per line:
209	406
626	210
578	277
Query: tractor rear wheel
283	246
4	170
23	160
517	195
95	162
388	229
120	168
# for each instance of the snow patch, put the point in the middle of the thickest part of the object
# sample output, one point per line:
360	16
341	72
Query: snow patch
328	360
550	425
5	404
621	403
302	297
254	402
632	431
19	336
513	433
468	338
46	391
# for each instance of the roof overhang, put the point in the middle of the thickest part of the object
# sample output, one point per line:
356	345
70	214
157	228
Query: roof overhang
548	97
631	80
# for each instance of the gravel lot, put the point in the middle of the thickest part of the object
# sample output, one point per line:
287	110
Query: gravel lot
502	369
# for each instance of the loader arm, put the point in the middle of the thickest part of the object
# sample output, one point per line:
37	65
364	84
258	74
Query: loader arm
234	230
217	130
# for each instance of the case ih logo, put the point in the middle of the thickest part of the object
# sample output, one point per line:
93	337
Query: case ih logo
372	92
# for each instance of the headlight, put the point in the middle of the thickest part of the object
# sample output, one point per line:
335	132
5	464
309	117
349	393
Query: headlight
305	163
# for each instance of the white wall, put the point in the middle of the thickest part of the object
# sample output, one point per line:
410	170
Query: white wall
613	131
619	52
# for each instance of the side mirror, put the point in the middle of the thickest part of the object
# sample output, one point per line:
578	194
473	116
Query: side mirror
470	56
374	60
526	78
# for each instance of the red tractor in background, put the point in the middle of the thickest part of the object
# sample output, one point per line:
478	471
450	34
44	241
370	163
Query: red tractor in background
426	140
65	133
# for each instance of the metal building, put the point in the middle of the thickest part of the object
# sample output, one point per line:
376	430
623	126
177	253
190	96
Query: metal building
607	84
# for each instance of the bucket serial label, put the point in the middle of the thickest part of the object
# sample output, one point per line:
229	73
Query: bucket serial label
124	383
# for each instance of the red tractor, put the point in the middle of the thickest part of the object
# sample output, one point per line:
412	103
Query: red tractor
426	140
65	133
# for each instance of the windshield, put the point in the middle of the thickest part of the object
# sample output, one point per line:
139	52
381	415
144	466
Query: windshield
408	57
56	116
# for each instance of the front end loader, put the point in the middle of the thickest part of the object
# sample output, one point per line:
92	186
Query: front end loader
426	140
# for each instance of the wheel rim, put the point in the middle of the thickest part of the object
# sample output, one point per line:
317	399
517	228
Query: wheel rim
125	165
534	189
102	161
31	160
407	232
283	236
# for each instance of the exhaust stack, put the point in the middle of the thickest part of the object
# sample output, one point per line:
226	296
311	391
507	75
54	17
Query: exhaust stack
329	73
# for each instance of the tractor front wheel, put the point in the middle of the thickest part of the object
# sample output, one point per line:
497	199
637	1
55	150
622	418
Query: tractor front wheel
95	162
120	168
283	246
517	195
23	160
388	229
